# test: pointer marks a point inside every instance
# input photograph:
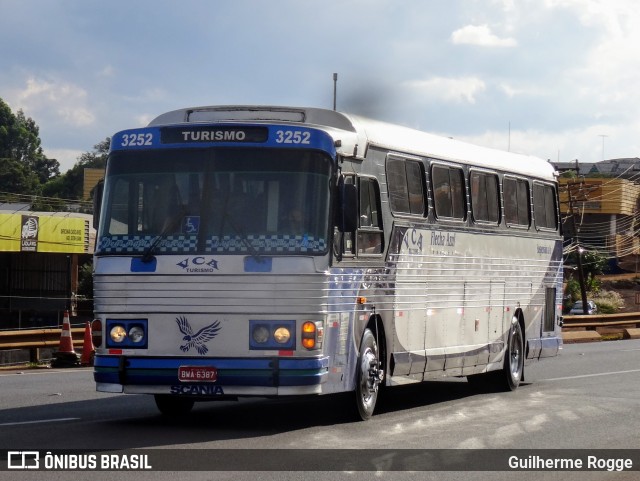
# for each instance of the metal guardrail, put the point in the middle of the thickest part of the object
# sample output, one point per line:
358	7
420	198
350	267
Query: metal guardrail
593	321
36	339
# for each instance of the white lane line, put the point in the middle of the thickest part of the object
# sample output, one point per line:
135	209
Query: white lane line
43	371
591	375
40	421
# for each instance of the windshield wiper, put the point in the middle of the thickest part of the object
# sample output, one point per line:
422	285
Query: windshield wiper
171	225
226	218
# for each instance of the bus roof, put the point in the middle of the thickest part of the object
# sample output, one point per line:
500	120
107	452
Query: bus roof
354	135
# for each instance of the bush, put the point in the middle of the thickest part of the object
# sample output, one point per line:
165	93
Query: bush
608	302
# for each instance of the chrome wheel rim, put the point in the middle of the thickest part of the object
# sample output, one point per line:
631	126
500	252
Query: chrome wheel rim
515	353
368	384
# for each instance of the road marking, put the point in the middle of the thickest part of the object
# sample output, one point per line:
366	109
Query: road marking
40	421
43	371
592	375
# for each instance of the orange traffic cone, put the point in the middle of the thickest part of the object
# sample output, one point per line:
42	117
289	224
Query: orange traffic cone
88	349
65	356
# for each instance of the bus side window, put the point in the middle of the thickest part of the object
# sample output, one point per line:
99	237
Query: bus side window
517	210
405	185
448	188
485	206
544	206
370	234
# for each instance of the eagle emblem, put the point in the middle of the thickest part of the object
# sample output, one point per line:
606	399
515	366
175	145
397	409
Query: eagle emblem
198	339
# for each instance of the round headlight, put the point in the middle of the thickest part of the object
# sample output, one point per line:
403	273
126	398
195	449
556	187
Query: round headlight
260	334
118	333
136	334
282	335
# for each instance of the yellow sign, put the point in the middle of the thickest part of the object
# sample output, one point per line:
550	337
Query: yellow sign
41	233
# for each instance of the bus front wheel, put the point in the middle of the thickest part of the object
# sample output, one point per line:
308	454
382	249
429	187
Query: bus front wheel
368	375
173	406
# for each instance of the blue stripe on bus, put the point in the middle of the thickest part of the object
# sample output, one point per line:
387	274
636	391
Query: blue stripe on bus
231	372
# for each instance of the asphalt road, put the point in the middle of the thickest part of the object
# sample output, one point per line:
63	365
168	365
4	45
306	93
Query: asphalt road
587	398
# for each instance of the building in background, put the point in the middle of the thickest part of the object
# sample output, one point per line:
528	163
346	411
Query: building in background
605	216
40	257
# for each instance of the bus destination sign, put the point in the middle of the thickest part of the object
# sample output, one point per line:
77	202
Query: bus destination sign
210	134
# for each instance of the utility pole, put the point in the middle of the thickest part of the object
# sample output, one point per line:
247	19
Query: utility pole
583	288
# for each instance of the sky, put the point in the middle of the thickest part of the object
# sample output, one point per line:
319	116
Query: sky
557	79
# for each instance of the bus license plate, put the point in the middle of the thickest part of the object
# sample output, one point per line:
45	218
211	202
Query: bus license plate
197	374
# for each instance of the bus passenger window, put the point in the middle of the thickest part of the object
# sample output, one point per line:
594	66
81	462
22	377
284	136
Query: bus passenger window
405	185
448	192
516	202
544	206
485	206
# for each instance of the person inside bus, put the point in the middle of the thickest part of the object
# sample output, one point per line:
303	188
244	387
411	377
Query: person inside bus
295	222
166	206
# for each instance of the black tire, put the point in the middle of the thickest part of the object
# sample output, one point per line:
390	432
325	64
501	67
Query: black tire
511	374
513	369
367	380
172	406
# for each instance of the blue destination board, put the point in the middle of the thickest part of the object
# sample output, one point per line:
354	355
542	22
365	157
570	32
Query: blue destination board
197	136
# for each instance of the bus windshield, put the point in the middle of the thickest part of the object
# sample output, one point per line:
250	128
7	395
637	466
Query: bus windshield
223	201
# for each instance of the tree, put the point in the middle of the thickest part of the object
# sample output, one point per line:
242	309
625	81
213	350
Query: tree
70	184
20	142
16	177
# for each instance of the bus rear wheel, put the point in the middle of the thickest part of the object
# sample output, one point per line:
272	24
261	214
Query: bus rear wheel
369	375
173	406
509	377
514	360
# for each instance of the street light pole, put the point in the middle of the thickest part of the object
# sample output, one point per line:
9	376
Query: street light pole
335	89
603	137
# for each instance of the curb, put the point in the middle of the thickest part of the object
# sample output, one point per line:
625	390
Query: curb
580	336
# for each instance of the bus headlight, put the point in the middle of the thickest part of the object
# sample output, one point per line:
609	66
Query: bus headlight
267	334
127	333
260	334
118	333
136	334
282	335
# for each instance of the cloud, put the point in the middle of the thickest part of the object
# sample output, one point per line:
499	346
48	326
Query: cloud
66	157
481	36
458	90
67	101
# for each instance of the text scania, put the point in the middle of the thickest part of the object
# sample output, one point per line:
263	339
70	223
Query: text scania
200	390
213	135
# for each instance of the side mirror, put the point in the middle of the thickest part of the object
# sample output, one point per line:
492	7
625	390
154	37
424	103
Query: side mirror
98	192
347	220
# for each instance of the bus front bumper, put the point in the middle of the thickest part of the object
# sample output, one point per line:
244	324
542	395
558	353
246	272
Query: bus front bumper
274	376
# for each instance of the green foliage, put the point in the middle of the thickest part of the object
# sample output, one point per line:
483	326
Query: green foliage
608	302
25	170
16	177
20	142
571	293
85	280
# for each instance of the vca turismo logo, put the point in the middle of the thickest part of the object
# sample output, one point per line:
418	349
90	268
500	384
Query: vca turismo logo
198	264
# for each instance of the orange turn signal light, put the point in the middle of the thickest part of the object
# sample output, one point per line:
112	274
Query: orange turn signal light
312	335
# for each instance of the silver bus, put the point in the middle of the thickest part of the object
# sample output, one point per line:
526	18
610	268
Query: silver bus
280	251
